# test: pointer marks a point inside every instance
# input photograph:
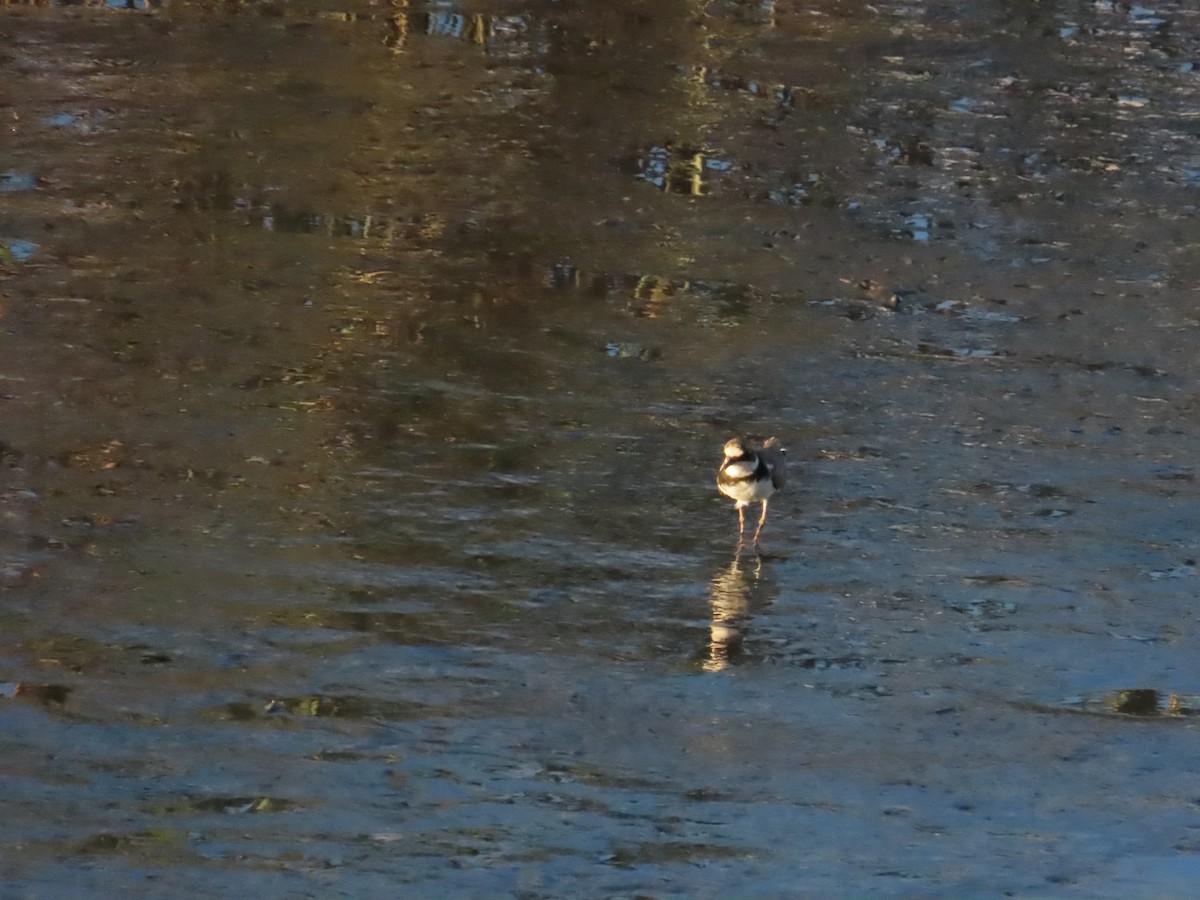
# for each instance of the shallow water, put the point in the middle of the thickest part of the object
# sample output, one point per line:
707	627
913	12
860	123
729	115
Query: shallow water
364	371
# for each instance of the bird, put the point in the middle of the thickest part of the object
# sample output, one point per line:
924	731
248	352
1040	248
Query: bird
751	474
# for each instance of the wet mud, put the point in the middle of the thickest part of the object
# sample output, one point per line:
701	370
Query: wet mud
364	372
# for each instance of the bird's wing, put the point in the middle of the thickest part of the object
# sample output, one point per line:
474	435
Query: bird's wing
776	459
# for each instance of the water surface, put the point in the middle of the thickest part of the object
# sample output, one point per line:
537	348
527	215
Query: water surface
364	370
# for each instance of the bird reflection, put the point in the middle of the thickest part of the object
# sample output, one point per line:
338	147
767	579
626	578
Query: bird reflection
729	598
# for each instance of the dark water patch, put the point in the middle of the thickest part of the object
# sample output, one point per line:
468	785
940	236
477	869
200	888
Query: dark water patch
435	627
53	696
1175	473
403	569
590	607
584	561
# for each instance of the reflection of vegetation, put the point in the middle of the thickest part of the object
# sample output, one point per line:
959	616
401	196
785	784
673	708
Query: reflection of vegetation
1141	703
338	707
117	5
680	170
223	804
586	773
510	37
46	694
1150	702
337	756
95	458
205	191
667	852
78	651
158	845
329	706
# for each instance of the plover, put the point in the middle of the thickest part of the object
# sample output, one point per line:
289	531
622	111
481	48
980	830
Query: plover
751	474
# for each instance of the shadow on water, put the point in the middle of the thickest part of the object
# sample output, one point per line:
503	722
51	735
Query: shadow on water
364	371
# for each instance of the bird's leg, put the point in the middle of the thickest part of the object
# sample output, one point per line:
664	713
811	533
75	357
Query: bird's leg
762	520
741	524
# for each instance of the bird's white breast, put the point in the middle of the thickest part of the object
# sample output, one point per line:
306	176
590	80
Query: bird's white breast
743	469
747	491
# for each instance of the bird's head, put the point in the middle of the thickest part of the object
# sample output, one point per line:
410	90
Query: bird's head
735	448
